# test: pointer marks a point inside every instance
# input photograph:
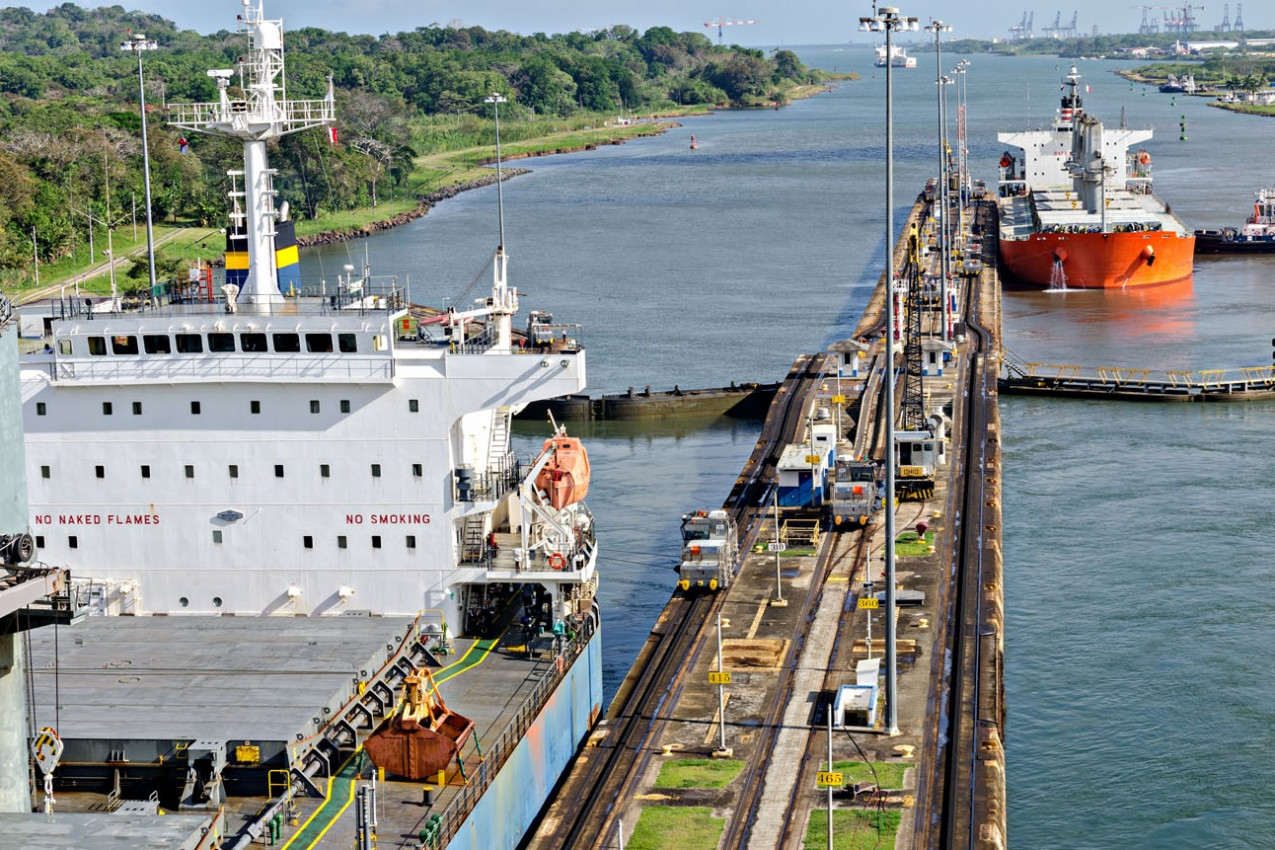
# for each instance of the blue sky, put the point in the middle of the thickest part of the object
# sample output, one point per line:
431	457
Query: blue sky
788	23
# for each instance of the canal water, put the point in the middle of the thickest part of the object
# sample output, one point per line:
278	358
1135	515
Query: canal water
1135	539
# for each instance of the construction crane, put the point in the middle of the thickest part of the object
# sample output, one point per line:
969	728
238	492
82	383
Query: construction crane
721	23
1070	31
1239	17
1226	18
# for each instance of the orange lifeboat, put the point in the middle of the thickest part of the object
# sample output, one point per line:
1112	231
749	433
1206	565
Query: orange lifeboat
424	737
565	476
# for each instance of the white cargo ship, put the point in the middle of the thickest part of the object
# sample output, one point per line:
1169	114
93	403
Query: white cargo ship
295	507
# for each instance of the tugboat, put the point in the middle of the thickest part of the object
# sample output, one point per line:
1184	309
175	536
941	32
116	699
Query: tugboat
1077	210
1257	236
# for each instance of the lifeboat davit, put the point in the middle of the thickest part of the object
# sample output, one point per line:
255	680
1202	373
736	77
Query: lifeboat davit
565	476
424	737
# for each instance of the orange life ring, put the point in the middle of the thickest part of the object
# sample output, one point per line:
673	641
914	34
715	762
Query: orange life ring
556	561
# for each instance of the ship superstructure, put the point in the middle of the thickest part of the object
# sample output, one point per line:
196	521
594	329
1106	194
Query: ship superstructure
898	57
247	463
1077	209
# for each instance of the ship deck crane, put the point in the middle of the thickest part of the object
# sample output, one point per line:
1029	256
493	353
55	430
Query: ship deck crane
721	23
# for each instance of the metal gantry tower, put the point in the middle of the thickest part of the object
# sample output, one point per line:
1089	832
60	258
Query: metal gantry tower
259	111
1239	17
912	405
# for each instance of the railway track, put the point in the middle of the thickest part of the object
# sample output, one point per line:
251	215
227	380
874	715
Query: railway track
591	800
960	804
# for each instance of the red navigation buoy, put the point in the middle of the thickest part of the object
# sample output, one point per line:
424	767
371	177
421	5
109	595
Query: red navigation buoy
693	145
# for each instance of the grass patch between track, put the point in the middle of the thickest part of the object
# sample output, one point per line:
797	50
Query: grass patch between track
889	773
676	828
852	829
698	773
910	543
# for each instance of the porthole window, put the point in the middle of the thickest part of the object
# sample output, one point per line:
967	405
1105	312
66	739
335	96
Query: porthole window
157	344
190	343
286	343
221	342
318	343
253	343
123	345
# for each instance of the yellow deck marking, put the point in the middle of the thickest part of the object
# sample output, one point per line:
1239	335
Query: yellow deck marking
761	610
326	797
349	799
712	726
461	663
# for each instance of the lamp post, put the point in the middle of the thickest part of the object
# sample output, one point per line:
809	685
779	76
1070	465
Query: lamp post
962	162
940	196
888	20
137	44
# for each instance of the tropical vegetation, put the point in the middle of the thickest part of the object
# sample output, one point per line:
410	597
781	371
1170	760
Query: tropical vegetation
70	125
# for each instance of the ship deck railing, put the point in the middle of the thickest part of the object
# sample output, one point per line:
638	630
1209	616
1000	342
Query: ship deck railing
379	295
217	367
1060	378
453	815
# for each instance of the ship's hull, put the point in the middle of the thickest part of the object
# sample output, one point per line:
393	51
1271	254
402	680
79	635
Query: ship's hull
1098	260
523	784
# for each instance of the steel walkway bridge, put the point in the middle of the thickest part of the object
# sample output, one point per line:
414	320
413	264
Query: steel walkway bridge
1246	383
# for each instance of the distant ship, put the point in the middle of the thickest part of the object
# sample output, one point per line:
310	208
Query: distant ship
899	57
1077	209
1174	85
1257	236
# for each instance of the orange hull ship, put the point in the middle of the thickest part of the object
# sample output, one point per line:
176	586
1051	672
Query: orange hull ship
1076	208
1099	260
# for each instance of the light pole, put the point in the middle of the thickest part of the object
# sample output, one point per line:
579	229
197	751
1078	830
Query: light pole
888	20
962	165
940	196
138	44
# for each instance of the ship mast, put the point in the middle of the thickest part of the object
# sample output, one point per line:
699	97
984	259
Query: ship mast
264	113
504	301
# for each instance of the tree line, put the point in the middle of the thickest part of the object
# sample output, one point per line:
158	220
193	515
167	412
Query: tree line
70	125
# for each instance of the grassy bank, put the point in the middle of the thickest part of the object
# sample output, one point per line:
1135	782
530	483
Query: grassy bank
457	151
